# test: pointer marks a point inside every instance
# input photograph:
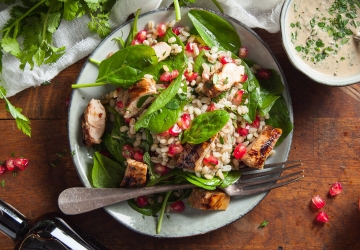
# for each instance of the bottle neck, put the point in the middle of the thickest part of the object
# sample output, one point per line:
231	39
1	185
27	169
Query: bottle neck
12	222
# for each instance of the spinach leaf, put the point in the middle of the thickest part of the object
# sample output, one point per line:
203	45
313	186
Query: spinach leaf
114	146
148	210
270	91
253	89
128	65
215	31
200	59
177	61
232	177
106	173
147	161
133	30
160	102
205	126
280	118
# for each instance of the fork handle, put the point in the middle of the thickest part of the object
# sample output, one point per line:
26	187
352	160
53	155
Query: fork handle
79	200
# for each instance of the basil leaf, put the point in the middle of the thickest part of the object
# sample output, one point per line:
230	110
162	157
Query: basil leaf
204	126
128	65
106	173
215	31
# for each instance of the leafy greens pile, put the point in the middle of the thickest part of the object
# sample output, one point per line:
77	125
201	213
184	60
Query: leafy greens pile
132	62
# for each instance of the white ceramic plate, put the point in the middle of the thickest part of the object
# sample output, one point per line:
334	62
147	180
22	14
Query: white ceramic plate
191	221
300	64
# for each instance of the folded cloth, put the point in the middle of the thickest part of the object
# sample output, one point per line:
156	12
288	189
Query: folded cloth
80	42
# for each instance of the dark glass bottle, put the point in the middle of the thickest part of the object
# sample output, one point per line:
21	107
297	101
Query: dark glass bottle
49	232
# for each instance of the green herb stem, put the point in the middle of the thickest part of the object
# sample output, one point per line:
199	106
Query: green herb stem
177	10
162	211
22	17
92	60
87	85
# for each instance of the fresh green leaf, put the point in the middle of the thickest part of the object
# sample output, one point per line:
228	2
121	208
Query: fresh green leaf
215	31
133	30
204	126
106	173
232	177
128	65
2	183
263	224
147	161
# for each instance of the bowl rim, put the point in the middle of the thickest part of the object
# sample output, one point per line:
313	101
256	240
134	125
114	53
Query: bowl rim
285	93
302	66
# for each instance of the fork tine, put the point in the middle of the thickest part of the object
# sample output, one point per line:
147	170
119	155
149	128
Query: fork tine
267	188
253	183
270	165
248	175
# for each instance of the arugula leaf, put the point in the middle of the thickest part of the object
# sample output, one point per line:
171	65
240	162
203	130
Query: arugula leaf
205	126
22	122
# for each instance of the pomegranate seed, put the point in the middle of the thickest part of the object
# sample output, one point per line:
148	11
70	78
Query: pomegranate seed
264	74
335	189
176	30
175	149
322	217
138	156
239	151
161	29
177	206
127	120
141	201
190	76
317	202
243	52
204	47
119	104
161	169
189	47
127	151
184	121
256	122
135	42
2	169
243	78
226	59
237	99
211	161
10	164
211	107
169	76
175	130
244	131
141	35
21	163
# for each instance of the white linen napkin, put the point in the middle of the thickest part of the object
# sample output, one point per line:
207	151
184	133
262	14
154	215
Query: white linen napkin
80	42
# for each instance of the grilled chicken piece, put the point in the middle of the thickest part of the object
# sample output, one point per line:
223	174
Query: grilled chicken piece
137	97
162	50
93	123
135	174
258	151
209	200
227	76
192	155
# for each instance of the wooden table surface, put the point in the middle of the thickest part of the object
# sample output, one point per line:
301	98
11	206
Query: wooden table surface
326	138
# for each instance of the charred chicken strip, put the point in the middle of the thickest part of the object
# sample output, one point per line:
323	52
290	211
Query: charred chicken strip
93	123
209	200
135	174
258	151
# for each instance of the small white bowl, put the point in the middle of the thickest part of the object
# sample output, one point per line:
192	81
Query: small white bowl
300	64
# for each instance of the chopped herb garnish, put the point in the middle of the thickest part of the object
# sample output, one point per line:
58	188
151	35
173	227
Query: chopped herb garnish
2	183
221	139
263	224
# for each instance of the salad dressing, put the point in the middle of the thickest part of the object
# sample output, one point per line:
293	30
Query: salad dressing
322	35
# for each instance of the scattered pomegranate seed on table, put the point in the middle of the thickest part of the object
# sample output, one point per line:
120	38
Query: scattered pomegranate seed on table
318	202
322	217
335	189
2	169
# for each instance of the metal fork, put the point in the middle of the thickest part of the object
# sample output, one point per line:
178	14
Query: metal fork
80	199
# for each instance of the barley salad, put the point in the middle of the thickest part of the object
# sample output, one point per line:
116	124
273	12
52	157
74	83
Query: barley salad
186	112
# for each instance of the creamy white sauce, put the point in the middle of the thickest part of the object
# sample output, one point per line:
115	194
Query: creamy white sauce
343	60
